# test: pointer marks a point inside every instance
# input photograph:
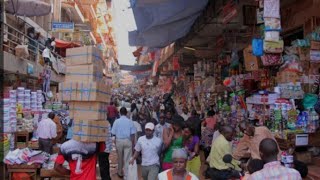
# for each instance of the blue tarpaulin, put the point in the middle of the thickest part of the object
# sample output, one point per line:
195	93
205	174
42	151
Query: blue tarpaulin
161	22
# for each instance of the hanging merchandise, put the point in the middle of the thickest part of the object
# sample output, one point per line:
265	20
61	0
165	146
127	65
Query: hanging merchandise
260	19
271	59
272	24
272	36
234	60
315	55
257	47
46	74
250	61
273	47
271	9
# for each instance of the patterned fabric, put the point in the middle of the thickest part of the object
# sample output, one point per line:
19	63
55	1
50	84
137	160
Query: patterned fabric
206	137
274	170
109	141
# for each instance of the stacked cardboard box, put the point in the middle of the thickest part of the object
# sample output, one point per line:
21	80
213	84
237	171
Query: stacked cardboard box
86	93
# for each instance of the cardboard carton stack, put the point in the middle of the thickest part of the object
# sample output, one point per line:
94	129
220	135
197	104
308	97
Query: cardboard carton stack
86	93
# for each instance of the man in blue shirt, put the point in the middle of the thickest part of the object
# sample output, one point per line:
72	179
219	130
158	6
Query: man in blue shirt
124	131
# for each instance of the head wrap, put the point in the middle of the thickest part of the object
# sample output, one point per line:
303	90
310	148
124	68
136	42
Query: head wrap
179	153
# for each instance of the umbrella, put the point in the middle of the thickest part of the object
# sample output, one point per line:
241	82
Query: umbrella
27	8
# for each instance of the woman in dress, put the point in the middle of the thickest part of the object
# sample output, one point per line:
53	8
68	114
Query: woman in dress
172	139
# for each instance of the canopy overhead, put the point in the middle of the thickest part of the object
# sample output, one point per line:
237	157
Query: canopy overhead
136	67
161	22
65	44
27	8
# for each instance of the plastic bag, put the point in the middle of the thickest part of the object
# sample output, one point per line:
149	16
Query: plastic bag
133	171
309	100
257	47
271	9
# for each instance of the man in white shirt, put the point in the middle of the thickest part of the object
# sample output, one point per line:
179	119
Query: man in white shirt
124	131
161	126
150	147
47	130
185	113
46	54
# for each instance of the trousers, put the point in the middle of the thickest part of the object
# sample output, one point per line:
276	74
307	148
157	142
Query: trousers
104	165
150	172
45	145
124	152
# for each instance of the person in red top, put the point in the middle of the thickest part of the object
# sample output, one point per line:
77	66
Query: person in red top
112	113
75	152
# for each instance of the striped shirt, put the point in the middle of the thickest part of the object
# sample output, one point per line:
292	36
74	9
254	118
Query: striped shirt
275	171
47	129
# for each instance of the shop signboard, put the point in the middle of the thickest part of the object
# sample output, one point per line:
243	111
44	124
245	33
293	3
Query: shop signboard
62	27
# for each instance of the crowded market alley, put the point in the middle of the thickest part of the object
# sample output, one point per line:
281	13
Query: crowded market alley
160	90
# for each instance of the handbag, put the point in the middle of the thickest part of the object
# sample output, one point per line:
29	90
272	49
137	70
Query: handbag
271	59
273	46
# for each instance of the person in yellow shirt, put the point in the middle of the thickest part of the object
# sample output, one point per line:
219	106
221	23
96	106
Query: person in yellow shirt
221	147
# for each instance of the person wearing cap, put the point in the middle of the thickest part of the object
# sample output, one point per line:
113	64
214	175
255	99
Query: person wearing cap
124	131
179	157
172	139
149	146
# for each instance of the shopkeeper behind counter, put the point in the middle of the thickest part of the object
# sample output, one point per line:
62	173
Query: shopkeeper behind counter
47	131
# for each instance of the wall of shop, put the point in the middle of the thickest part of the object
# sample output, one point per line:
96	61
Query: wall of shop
295	14
14	64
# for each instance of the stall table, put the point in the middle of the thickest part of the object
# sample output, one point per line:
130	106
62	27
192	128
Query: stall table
24	168
51	173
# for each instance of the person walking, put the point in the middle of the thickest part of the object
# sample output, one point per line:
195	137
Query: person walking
124	131
178	171
149	146
103	156
161	126
47	131
81	157
112	113
172	139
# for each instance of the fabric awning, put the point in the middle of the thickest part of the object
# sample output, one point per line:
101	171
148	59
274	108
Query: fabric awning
66	44
162	22
28	8
136	67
